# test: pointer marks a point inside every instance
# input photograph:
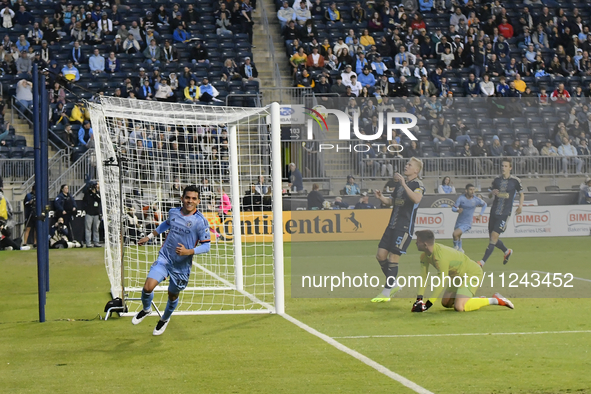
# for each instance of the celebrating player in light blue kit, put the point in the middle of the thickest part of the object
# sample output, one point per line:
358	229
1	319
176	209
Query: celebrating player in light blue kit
465	206
187	227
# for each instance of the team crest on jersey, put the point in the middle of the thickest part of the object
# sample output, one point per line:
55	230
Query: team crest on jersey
189	224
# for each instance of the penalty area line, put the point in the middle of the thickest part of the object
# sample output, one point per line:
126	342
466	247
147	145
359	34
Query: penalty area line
465	334
364	359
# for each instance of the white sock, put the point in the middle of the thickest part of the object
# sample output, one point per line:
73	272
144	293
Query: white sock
386	292
493	301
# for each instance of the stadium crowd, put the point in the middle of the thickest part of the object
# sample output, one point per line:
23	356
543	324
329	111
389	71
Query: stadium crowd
523	68
194	52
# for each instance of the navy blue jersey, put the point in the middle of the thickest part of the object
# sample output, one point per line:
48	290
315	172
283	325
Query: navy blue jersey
404	212
508	189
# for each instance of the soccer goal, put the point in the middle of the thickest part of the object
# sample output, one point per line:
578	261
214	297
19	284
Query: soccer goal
147	151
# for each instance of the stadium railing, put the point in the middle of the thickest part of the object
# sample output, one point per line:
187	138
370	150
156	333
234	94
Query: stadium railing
84	166
27	115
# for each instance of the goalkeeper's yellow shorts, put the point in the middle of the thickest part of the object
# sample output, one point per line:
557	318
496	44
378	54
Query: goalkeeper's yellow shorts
468	289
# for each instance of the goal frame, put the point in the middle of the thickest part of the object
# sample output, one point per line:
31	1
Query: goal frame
278	307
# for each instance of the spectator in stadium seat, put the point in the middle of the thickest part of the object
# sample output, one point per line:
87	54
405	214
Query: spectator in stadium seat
446	186
192	92
487	88
506	29
131	45
7	16
496	149
223	23
364	202
285	14
199	54
332	14
169	53
248	71
494	66
338	87
146	92
315	198
23	17
180	35
85	135
23	63
96	63
152	53
366	40
425	88
403	56
351	188
441	131
358	14
303	14
531	162
560	95
568	154
471	86
57	94
164	91
366	79
315	61
190	16
207	92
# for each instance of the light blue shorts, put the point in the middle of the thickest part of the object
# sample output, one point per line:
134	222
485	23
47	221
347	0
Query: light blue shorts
160	270
463	227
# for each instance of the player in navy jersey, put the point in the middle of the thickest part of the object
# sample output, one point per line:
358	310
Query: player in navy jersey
405	199
466	205
187	228
504	189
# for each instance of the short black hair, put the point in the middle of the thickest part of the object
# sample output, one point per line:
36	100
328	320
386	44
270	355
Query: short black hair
191	188
426	235
469	185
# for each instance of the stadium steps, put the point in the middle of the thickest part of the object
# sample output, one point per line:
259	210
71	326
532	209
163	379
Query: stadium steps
23	128
263	58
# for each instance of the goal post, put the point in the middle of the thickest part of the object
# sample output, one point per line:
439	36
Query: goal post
147	152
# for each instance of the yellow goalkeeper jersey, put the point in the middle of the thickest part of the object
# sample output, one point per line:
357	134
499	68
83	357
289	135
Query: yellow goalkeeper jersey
448	262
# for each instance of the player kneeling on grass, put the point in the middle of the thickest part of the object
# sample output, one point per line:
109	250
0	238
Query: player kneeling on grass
451	263
187	227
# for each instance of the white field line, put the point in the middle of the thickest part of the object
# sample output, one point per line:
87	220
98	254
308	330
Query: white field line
467	334
364	359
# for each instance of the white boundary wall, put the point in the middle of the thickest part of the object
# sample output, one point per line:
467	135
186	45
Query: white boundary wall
538	221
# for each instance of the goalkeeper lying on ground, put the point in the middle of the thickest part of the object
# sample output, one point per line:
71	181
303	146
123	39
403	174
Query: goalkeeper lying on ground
450	264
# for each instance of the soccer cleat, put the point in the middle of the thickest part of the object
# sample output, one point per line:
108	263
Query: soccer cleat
503	301
480	263
508	254
141	315
25	247
380	297
462	250
160	327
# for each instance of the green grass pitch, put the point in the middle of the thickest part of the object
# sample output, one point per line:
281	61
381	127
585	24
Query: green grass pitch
74	353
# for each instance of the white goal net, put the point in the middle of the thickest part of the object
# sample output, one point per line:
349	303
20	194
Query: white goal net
147	152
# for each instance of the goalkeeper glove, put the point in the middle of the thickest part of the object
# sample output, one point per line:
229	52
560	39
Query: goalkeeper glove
420	306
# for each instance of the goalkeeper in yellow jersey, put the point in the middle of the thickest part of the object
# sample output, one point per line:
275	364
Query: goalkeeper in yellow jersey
451	264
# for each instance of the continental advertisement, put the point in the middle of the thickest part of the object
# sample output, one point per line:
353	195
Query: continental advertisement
355	225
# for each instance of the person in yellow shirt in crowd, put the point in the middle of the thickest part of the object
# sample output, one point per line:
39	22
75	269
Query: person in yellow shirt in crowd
79	113
520	83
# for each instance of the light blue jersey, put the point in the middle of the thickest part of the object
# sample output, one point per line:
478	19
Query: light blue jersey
468	205
187	230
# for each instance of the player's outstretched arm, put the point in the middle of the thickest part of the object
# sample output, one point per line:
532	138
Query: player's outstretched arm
147	238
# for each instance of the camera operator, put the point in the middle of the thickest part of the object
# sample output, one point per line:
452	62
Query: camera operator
92	203
6	242
30	217
58	236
